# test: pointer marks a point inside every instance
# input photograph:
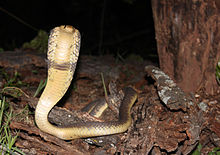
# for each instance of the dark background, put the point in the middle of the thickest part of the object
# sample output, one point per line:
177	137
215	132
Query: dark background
127	25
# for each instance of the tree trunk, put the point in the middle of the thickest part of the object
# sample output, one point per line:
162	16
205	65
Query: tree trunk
187	35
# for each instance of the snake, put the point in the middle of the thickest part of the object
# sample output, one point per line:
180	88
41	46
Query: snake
63	51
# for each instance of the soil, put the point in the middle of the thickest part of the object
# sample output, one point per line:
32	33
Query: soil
166	120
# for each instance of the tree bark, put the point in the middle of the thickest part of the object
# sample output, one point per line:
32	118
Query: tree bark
187	35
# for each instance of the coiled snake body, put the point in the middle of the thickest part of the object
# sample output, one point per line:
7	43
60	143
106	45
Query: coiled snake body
63	51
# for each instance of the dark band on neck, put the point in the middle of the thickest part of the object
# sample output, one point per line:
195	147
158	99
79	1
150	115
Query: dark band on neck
64	66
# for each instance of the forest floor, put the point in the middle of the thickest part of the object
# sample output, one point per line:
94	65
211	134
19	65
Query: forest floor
189	123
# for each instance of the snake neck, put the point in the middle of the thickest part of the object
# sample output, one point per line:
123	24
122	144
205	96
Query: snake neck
63	52
57	85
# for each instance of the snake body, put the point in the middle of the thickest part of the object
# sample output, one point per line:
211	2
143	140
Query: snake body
63	51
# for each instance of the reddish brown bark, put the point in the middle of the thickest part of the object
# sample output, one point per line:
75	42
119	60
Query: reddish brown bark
188	41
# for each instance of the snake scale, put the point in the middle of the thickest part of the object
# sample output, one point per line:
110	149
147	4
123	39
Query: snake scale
63	52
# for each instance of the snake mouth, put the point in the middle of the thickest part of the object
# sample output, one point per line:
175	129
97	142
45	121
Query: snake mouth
68	28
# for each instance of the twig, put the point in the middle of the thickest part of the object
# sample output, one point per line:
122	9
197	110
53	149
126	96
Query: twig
17	89
105	90
18	19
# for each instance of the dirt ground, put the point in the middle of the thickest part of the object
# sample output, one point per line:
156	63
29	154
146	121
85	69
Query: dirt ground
165	119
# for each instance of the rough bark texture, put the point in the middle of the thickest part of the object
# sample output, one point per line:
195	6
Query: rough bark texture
187	34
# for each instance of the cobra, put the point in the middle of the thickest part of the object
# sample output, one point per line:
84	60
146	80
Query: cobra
63	52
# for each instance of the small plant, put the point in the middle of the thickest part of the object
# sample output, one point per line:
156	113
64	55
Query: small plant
104	87
1	50
40	87
7	141
217	73
198	150
215	151
39	43
12	81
